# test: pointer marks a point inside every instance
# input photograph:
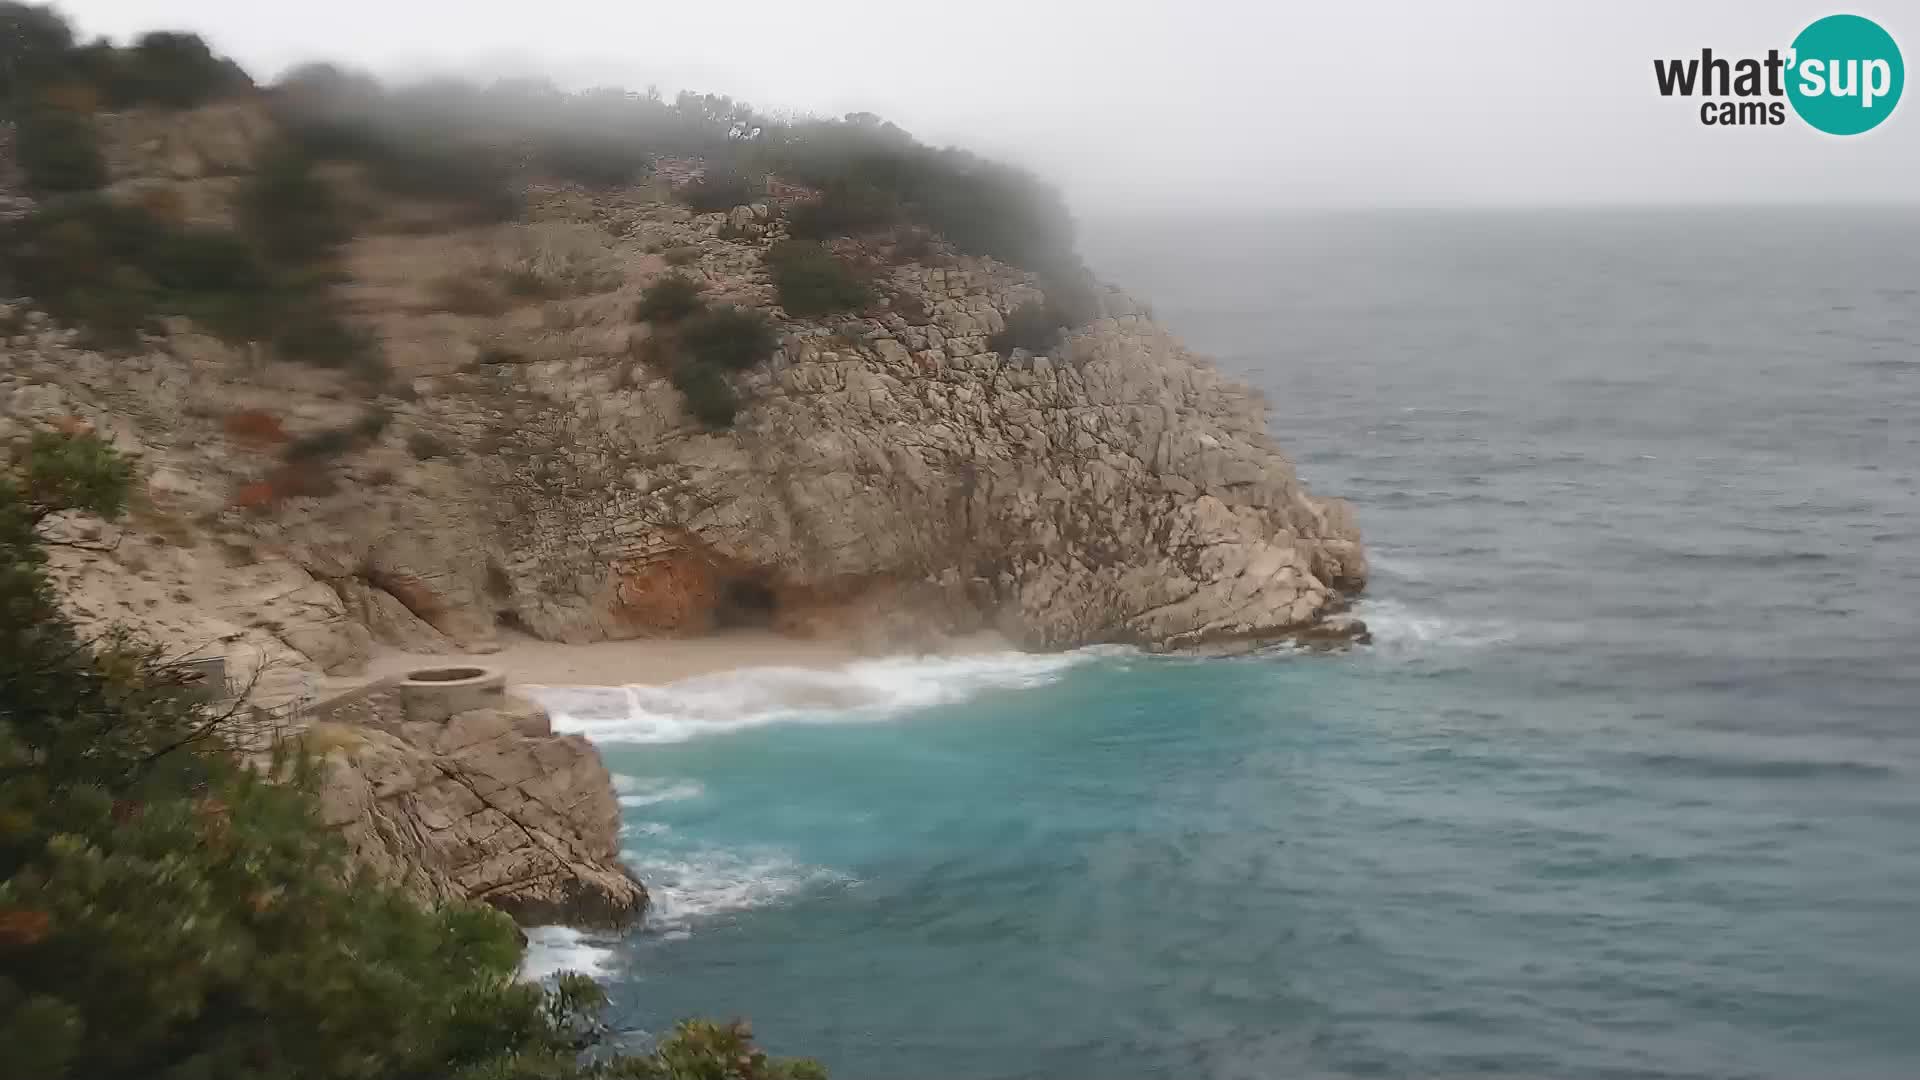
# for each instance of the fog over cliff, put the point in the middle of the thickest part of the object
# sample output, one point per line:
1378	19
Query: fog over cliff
1147	104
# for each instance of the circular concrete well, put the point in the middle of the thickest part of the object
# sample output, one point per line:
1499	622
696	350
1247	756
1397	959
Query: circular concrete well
434	694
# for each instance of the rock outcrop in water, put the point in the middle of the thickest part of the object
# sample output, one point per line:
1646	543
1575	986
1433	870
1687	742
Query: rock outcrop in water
483	803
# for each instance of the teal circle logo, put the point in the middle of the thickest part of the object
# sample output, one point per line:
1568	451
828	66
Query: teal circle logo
1846	75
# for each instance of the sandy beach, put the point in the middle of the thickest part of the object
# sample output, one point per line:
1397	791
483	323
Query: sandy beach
650	661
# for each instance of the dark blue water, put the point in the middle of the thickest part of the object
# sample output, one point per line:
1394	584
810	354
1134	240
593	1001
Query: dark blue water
1630	786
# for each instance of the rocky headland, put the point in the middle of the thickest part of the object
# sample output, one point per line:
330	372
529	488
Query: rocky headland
527	466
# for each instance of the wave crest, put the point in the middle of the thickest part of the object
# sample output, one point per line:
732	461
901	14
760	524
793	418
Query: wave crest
689	887
861	691
554	949
1395	625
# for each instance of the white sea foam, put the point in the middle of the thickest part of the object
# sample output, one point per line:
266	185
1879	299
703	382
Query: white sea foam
861	691
661	791
1395	625
554	949
690	887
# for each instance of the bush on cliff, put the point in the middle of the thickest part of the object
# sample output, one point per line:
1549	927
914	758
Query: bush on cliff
812	281
710	397
729	338
113	270
171	70
39	58
58	152
1031	326
290	212
591	161
404	140
716	191
982	207
36	45
1037	326
166	912
846	207
670	299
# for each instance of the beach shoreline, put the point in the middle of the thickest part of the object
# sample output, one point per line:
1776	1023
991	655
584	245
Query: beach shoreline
655	661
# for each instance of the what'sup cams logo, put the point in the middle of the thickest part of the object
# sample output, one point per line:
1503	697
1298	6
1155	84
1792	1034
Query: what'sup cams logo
1842	74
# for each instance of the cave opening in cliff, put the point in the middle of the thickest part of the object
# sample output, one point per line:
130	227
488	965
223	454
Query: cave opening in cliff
745	603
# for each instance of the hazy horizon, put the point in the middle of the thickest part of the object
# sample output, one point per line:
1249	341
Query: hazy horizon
1137	106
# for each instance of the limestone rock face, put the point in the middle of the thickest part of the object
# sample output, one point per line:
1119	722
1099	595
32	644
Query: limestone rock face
890	476
487	804
1117	490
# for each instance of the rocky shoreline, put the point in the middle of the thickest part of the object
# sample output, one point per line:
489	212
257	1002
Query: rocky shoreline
891	480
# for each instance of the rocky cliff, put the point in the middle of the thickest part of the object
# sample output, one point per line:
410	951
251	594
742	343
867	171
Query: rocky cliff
889	470
890	476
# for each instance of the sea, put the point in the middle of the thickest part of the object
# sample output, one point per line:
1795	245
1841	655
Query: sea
1626	787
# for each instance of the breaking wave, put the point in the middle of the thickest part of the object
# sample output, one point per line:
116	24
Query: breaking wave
1395	625
861	691
691	886
652	793
554	949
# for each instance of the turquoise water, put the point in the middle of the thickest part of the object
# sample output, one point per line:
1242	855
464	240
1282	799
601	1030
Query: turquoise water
1627	787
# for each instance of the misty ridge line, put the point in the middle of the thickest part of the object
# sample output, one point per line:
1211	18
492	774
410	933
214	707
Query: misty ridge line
484	142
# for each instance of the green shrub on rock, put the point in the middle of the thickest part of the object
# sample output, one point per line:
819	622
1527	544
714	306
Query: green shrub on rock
59	152
729	338
172	70
111	269
1037	326
709	396
592	161
844	208
716	191
670	299
290	212
1032	326
811	281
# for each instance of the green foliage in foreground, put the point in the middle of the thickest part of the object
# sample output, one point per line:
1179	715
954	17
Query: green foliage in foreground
168	913
811	281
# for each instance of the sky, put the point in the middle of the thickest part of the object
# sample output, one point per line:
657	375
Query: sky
1169	104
